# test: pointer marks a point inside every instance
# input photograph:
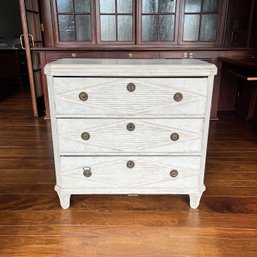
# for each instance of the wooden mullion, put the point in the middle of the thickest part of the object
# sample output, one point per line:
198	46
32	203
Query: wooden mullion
115	13
74	17
134	22
98	22
116	20
93	21
167	13
200	23
158	22
72	13
33	31
180	17
33	11
138	22
190	13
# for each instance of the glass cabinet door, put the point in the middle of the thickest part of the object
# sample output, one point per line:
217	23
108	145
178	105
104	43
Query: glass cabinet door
142	22
74	20
116	21
158	19
200	21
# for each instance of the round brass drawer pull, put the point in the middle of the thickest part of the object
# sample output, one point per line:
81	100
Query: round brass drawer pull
130	164
87	172
178	97
174	136
85	136
131	87
131	127
174	173
83	96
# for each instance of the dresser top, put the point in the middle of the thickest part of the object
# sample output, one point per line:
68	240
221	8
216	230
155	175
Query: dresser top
130	67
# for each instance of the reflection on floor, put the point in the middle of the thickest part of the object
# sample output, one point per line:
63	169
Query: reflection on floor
33	224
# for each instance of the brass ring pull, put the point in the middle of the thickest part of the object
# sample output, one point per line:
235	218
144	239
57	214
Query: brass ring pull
83	96
131	87
131	127
178	97
85	136
130	164
174	173
87	172
174	136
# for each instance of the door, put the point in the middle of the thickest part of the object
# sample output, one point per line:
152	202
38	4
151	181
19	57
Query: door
31	38
201	22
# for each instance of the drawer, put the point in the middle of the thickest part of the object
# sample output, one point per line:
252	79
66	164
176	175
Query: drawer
96	174
133	136
126	97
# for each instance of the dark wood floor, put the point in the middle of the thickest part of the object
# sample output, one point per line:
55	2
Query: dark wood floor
33	224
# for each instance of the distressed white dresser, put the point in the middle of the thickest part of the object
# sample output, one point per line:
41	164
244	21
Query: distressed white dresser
130	126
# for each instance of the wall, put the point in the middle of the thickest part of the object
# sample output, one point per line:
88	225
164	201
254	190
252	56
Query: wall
10	23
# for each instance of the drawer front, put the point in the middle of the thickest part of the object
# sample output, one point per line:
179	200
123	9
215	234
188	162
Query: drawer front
121	136
125	97
100	173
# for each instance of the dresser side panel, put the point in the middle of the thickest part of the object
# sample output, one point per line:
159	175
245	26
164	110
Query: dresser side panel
54	129
206	129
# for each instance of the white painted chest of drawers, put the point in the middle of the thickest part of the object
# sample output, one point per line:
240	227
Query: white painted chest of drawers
130	126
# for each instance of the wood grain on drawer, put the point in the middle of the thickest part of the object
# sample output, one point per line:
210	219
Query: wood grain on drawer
109	97
113	174
113	136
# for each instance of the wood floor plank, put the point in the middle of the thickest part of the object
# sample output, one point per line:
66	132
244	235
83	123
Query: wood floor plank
21	189
191	218
49	246
177	247
228	166
170	204
26	151
221	191
116	246
138	231
32	222
21	163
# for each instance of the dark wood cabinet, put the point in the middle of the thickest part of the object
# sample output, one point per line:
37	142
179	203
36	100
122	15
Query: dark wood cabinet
115	21
74	22
201	22
239	22
138	22
158	22
201	29
147	23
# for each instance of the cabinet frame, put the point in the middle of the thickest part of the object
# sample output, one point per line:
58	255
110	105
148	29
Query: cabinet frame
98	26
158	43
59	43
137	29
223	5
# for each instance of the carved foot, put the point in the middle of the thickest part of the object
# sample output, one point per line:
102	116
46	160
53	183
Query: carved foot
195	198
64	198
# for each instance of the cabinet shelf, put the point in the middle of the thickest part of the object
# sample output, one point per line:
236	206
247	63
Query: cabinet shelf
247	76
